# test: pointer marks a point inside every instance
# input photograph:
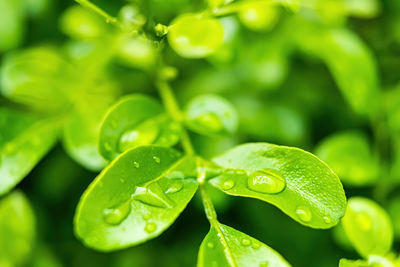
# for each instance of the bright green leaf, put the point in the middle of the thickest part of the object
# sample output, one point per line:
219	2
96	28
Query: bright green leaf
368	227
225	246
81	135
211	114
133	121
136	198
17	229
11	23
295	181
373	261
24	140
349	155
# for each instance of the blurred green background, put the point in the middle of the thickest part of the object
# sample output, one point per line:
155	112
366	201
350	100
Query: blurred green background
324	78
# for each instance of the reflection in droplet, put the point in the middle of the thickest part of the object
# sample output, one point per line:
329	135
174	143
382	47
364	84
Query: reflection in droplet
116	215
156	159
304	213
264	264
175	187
246	242
153	195
136	164
327	219
143	134
229	184
150	227
266	182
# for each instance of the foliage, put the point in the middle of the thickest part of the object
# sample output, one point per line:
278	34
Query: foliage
181	105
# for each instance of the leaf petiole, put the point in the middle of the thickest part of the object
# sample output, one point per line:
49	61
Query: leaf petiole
109	19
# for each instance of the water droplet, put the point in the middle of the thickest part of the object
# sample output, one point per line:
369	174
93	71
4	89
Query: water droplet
327	219
264	264
122	180
246	242
157	159
229	184
255	245
304	213
136	164
153	195
210	245
150	227
364	221
146	216
116	215
143	134
265	181
175	187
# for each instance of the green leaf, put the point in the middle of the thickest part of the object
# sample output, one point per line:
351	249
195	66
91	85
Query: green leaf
225	246
211	114
353	263
17	229
368	227
133	121
24	140
134	199
350	156
373	261
12	27
295	181
37	77
349	60
81	134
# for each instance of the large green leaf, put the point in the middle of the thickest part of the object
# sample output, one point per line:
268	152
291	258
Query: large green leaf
133	121
368	227
225	246
137	197
24	140
295	181
350	156
17	229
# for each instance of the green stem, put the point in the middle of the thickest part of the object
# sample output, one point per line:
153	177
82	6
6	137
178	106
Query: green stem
171	104
208	207
96	9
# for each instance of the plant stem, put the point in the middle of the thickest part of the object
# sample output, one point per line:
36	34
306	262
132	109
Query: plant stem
96	9
171	104
208	206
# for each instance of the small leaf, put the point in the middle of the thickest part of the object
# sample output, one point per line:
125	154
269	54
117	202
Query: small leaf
225	246
17	229
294	180
24	140
136	198
350	156
211	114
81	135
368	227
133	121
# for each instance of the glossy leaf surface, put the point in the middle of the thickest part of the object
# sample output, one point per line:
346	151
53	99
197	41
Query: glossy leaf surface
17	229
225	246
368	227
134	199
24	140
350	156
133	121
295	181
211	114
